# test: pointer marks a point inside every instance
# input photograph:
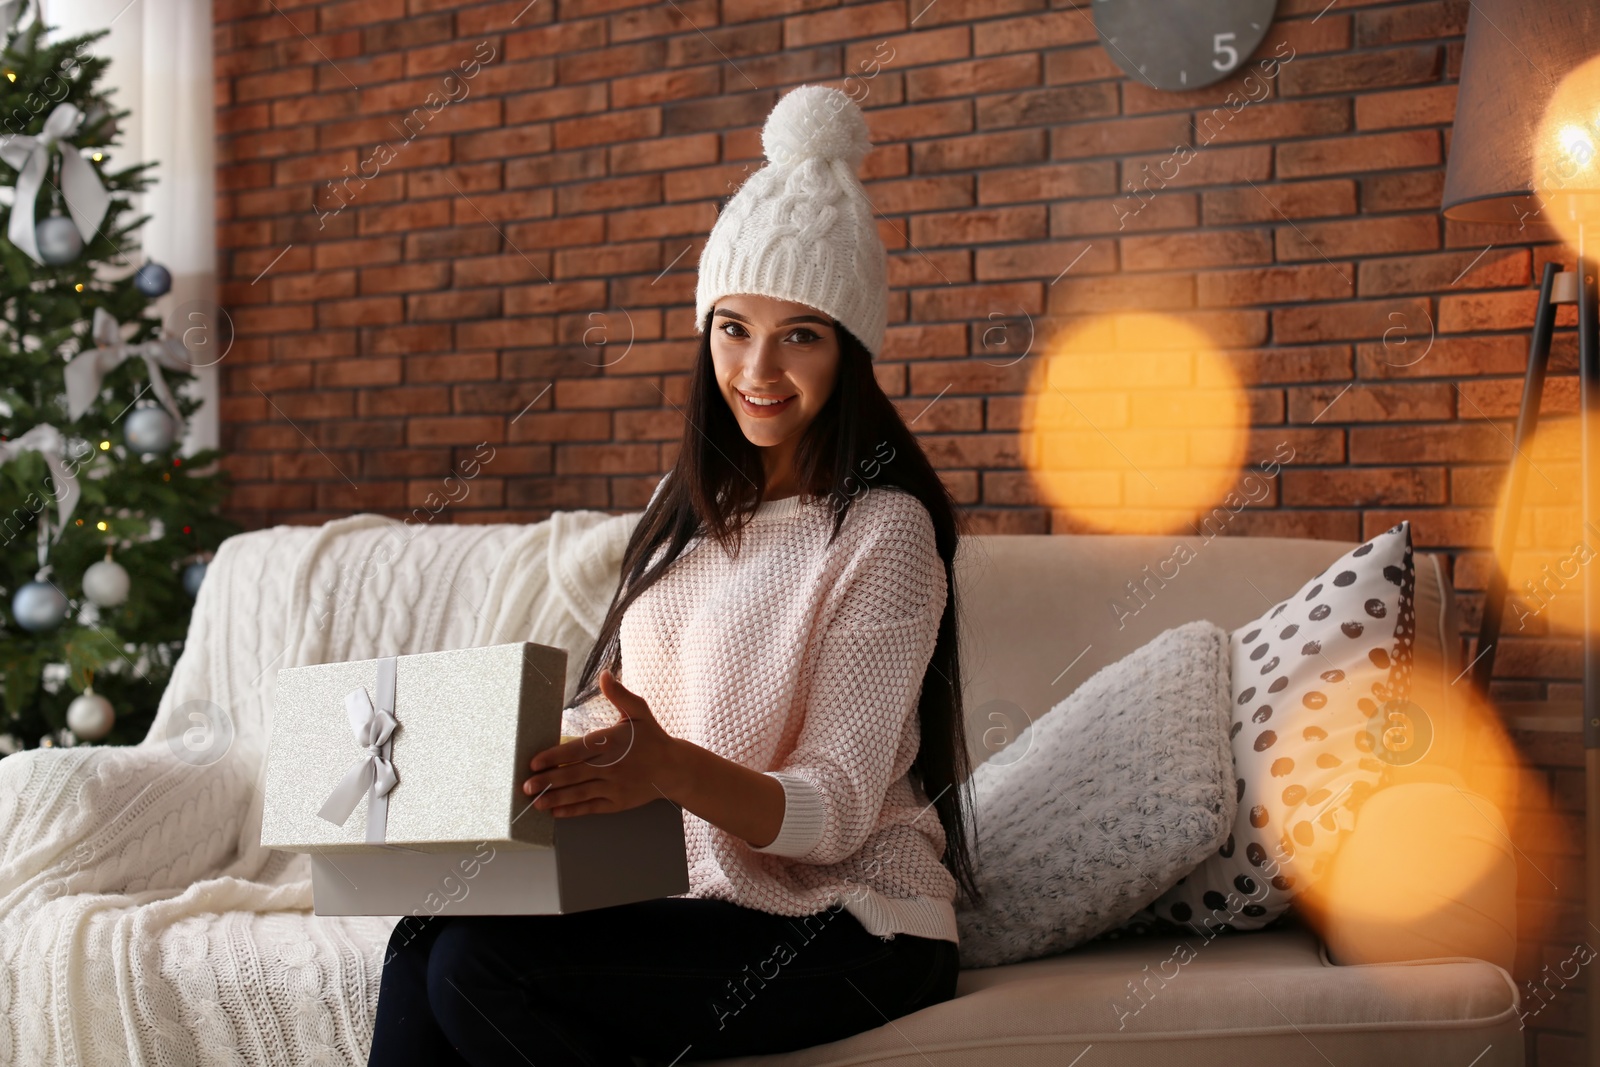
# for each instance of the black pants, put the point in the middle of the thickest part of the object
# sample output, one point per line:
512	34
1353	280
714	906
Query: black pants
677	978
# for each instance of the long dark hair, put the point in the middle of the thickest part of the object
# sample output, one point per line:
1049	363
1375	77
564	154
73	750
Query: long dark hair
718	482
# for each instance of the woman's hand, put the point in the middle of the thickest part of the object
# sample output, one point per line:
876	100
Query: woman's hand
620	767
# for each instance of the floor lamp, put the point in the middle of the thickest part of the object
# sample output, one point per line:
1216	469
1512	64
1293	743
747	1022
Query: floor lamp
1525	147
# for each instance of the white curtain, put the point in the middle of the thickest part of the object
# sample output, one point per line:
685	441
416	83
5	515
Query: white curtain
160	53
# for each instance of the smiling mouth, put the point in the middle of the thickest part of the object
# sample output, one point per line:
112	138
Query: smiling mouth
753	407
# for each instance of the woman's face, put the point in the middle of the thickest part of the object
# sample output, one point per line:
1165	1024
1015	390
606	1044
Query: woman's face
763	348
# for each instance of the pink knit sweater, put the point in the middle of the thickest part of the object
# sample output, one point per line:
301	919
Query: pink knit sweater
805	661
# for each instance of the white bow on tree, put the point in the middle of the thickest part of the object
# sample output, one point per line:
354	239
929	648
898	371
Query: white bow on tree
48	442
11	12
87	199
88	368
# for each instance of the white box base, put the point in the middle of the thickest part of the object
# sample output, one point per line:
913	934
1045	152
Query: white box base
598	861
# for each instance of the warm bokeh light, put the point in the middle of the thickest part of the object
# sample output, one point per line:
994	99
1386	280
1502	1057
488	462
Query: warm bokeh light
1482	831
1133	423
1566	155
1544	590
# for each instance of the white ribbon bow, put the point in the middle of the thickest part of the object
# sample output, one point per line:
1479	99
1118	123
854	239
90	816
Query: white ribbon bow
12	11
372	727
88	368
87	199
48	442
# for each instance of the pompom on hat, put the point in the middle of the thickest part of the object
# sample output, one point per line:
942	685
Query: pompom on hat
801	228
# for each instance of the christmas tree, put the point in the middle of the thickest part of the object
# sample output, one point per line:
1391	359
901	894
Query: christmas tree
104	527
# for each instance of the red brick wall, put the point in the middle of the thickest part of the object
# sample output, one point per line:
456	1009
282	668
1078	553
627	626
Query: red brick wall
453	306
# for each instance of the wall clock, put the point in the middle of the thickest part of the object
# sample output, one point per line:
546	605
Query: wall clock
1181	44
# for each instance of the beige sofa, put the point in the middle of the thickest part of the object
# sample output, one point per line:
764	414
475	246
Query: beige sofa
149	925
1420	991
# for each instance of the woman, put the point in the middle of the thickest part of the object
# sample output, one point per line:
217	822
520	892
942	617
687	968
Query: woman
786	630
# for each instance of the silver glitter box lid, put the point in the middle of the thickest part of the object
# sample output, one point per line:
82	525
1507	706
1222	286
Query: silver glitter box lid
471	720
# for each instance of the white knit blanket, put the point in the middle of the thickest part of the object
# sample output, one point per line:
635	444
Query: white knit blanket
140	919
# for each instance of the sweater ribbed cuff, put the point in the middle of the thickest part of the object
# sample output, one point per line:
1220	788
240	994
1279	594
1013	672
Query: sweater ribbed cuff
803	817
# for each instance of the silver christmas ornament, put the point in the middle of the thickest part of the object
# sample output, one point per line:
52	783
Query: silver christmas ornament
90	715
106	583
39	606
148	429
193	575
58	239
153	280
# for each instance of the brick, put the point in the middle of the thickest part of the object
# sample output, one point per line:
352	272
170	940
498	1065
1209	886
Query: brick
1168	210
1181	251
987	75
1032	32
608	393
1406	191
1413	22
1273	285
1359	154
455	430
608	128
1434	105
544	105
1357	237
858	20
920	47
1050	182
919	120
1471	312
1203	166
1135	292
1052	106
987	149
1403	402
1361	71
605	459
1065	66
1269	121
1443	270
1280	200
979	226
1468	442
1353	321
1114	137
1046	259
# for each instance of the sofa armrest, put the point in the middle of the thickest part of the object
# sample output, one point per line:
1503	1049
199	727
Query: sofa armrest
1428	871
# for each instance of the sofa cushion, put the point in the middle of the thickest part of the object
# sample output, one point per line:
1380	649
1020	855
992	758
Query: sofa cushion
1271	998
1313	679
1097	807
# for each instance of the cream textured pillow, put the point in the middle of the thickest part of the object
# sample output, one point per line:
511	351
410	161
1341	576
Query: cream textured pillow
1310	679
1115	792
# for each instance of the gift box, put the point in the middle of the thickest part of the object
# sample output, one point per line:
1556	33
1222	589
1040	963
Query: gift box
402	777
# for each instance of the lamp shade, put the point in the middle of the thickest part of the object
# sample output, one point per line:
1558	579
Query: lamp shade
1515	65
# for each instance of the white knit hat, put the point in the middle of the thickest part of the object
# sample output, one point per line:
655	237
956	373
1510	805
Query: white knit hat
801	228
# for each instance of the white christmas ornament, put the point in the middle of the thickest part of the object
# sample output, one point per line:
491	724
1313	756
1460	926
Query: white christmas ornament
106	583
57	240
81	187
148	430
90	716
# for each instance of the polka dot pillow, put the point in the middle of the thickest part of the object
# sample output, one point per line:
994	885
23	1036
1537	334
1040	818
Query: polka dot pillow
1310	679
